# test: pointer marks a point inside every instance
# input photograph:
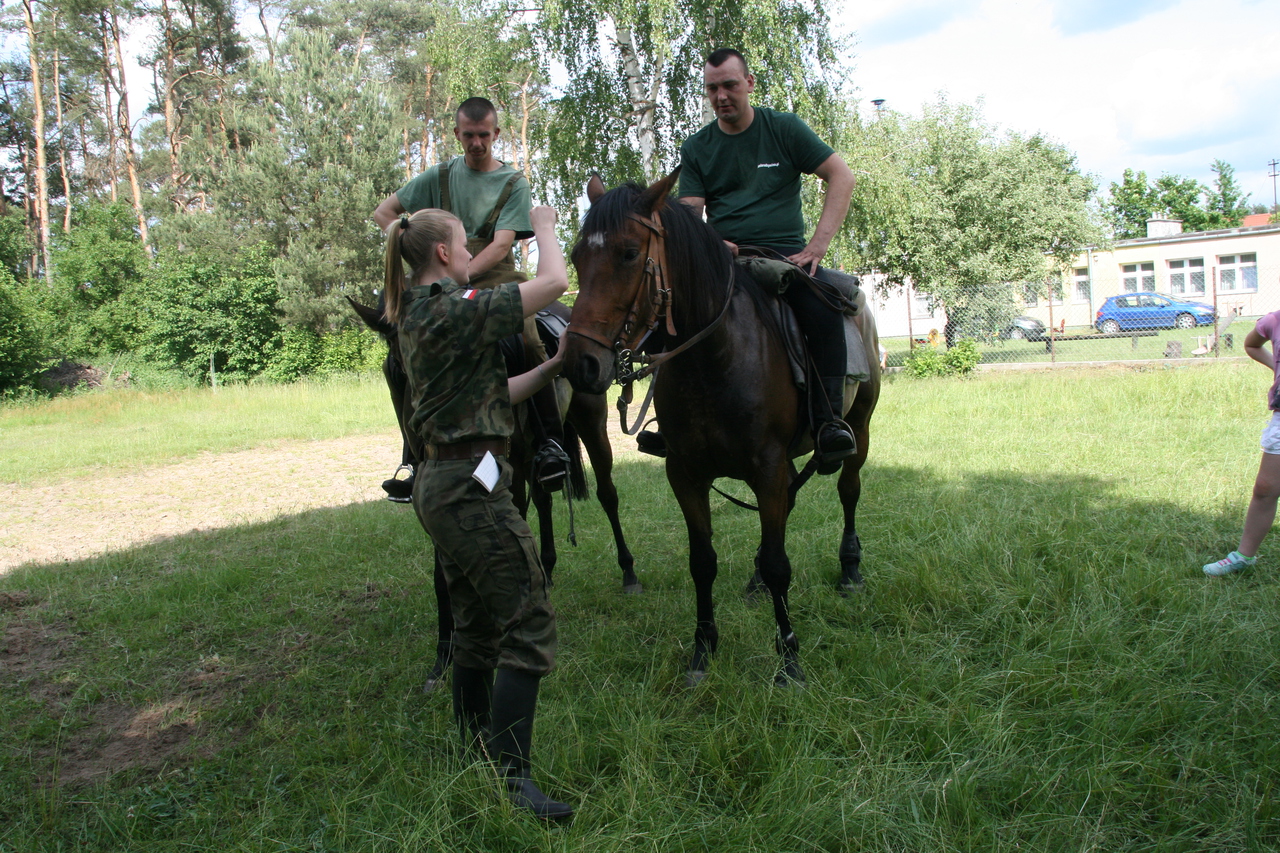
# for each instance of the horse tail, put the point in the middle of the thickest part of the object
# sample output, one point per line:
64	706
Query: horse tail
577	471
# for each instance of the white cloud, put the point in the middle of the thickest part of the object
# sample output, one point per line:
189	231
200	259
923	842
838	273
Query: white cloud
1166	87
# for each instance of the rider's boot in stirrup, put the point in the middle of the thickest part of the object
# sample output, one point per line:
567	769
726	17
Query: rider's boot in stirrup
833	440
652	443
400	490
550	462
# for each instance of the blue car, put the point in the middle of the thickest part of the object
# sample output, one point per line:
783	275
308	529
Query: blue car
1147	310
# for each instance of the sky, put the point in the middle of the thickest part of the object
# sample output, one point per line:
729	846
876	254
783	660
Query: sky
1152	85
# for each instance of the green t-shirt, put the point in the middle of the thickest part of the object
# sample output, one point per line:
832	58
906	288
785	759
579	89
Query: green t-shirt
751	180
472	196
449	347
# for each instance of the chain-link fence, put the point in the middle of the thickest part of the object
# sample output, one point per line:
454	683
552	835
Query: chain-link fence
1166	308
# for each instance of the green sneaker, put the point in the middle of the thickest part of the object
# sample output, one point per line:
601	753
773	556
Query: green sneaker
1233	562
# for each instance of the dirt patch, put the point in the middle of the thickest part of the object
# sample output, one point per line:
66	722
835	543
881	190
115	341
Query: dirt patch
114	738
111	511
102	738
68	375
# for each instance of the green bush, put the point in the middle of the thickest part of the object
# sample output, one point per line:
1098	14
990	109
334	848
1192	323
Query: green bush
299	353
15	243
97	266
351	350
959	360
204	312
21	350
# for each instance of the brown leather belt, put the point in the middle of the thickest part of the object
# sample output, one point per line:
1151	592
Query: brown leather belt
467	449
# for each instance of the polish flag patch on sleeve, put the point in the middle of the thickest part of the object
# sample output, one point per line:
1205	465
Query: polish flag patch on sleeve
469	294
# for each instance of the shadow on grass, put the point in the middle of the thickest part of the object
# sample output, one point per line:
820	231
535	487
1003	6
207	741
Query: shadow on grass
1015	629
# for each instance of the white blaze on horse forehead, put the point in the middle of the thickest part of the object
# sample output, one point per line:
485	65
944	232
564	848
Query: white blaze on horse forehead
596	240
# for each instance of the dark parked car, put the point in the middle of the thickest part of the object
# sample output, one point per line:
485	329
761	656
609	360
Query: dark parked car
1147	310
1025	329
1018	329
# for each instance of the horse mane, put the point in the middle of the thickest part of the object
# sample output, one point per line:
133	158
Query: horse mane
696	255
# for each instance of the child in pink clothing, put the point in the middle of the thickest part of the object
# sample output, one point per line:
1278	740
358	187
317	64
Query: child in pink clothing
1266	488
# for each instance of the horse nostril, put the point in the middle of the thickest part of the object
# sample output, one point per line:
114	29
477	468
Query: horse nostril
589	369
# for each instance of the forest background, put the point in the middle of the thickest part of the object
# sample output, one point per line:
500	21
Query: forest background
213	238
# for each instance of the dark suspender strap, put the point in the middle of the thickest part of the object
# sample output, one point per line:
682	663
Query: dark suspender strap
486	230
443	175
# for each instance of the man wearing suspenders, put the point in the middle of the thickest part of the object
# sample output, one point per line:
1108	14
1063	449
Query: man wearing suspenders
493	200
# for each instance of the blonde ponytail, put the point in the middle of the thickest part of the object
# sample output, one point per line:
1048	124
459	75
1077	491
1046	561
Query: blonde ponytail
412	240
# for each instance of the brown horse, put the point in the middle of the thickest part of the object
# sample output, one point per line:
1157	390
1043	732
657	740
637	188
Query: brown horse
585	425
653	277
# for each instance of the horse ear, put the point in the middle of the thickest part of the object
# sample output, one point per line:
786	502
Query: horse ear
595	188
372	317
655	196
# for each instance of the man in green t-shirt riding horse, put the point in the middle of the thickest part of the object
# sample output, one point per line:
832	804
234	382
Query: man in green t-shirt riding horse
743	170
493	201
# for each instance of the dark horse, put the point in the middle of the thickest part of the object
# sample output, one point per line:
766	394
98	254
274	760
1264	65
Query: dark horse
728	404
585	424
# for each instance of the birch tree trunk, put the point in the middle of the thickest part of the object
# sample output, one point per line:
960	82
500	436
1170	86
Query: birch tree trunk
643	102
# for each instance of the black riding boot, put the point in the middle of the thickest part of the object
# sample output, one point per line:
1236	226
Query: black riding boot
472	689
833	440
550	463
515	695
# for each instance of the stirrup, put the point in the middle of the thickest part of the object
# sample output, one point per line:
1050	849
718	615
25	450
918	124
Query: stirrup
652	443
400	491
551	466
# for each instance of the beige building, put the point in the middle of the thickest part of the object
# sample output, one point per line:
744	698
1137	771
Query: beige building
1234	270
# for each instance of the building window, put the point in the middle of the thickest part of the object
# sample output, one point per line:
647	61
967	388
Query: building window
1080	278
1237	273
1138	277
1186	277
920	307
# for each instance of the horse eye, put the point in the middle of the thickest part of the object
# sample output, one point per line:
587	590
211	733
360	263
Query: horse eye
631	253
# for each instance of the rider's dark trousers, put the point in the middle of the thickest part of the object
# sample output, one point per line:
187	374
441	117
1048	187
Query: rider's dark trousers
823	327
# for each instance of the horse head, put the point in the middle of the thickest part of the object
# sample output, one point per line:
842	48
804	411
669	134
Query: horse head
618	253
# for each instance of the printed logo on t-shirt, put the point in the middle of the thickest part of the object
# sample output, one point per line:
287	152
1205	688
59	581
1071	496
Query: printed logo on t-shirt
768	166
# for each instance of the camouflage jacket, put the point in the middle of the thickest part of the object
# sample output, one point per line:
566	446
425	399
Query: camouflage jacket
449	338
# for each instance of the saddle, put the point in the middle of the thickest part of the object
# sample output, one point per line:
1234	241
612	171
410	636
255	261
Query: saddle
775	276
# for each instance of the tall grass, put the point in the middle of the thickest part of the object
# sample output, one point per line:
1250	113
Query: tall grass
1037	663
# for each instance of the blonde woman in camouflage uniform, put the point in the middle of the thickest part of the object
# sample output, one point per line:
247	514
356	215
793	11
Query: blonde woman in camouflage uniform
449	336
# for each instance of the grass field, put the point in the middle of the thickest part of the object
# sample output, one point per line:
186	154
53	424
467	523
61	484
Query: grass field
1037	663
70	436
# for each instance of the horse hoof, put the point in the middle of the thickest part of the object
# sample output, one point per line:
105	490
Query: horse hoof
632	588
793	680
694	677
848	588
432	684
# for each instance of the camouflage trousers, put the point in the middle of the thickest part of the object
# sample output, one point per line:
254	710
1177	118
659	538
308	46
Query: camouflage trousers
501	614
